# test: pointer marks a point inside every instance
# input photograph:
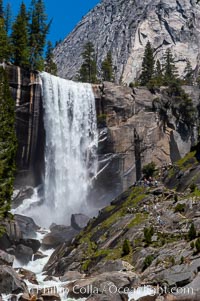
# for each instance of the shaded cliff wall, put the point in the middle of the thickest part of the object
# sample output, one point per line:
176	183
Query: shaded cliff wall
26	90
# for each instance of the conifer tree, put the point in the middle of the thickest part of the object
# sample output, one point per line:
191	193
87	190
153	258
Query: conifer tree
7	144
8	17
1	9
88	70
170	70
147	65
107	68
20	39
50	65
4	42
188	71
38	31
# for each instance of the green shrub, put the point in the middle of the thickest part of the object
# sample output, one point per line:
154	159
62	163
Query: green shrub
197	245
101	120
193	187
149	169
192	245
182	260
180	208
192	232
175	198
126	248
148	261
148	233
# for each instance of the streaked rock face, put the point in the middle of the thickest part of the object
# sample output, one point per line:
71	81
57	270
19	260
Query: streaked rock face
124	27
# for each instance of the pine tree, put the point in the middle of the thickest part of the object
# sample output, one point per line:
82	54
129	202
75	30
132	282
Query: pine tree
20	39
107	68
88	70
38	31
170	70
188	71
50	65
147	65
1	9
4	43
8	17
7	144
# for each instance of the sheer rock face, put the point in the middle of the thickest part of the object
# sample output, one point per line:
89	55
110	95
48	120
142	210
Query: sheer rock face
133	132
25	89
136	134
124	27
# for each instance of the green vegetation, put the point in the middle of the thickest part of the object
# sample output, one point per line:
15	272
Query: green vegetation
27	40
107	68
180	208
50	66
148	233
148	261
147	65
192	245
126	248
20	39
7	145
149	169
5	50
101	120
192	232
197	245
88	70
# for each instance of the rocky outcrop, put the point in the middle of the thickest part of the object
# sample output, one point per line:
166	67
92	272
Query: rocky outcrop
170	258
124	27
136	127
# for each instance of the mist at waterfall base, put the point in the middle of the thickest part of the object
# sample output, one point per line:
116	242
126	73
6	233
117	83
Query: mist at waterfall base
70	152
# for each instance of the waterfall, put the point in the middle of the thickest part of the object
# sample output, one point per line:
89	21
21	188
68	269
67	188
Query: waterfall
70	149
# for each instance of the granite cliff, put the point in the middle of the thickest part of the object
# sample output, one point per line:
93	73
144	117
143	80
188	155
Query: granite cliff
136	127
124	27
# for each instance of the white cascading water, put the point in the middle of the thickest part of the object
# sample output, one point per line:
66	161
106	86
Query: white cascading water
70	152
71	144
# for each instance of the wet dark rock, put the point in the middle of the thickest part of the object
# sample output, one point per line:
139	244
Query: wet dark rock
21	195
23	254
39	255
26	225
10	281
50	297
34	244
27	275
79	221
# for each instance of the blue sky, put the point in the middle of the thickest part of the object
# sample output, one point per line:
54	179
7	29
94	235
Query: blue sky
65	13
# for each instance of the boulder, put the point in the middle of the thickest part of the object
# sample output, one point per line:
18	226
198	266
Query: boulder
10	281
25	297
6	259
50	297
79	221
71	275
58	235
34	244
105	283
39	255
27	226
23	254
28	275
